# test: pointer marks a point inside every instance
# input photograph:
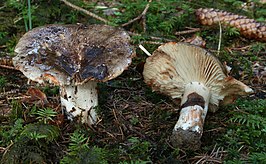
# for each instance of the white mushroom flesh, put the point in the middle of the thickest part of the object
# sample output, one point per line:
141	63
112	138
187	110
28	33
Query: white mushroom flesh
80	100
192	116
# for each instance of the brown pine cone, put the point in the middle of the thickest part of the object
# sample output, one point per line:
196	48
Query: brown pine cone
247	27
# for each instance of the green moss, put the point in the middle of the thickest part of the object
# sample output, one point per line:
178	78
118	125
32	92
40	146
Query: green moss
31	137
246	131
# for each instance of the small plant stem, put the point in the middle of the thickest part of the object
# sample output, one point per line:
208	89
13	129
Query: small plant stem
142	15
191	30
152	42
144	50
86	12
151	37
26	24
18	98
220	37
7	67
2	7
144	23
29	15
6	93
7	148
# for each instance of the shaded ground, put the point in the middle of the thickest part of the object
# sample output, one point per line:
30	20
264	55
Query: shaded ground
128	108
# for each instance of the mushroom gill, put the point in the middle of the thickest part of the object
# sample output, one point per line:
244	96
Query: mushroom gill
192	74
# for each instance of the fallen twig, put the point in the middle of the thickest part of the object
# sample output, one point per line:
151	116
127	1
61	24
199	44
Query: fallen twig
18	97
215	129
3	94
220	37
142	15
144	50
144	23
2	7
121	130
191	30
245	48
152	42
151	37
8	67
7	148
214	157
86	12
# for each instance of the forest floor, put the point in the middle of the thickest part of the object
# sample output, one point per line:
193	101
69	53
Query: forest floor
135	123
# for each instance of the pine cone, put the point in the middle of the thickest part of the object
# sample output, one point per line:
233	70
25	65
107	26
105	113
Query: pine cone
247	27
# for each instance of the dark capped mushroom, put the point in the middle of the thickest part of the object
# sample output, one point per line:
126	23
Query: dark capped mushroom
75	57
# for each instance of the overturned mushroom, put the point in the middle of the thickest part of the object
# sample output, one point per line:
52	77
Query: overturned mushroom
191	73
75	57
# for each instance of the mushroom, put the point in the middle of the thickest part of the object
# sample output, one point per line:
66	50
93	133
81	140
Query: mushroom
192	74
75	57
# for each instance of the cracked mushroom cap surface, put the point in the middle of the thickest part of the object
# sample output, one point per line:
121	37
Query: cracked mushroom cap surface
62	53
174	65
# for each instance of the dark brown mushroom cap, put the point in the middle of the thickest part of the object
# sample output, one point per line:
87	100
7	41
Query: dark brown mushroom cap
62	53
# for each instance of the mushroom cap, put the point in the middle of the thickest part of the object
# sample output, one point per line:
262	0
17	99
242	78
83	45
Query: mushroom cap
61	54
173	65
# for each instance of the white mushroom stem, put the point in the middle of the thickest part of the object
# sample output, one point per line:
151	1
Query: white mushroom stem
189	127
80	100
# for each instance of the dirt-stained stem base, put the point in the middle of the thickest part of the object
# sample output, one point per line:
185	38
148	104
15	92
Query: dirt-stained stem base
189	127
80	100
185	139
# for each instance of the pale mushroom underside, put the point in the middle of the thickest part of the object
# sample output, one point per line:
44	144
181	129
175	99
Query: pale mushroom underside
173	65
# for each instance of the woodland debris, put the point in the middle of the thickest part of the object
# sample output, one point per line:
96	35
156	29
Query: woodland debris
141	16
190	30
196	40
85	11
